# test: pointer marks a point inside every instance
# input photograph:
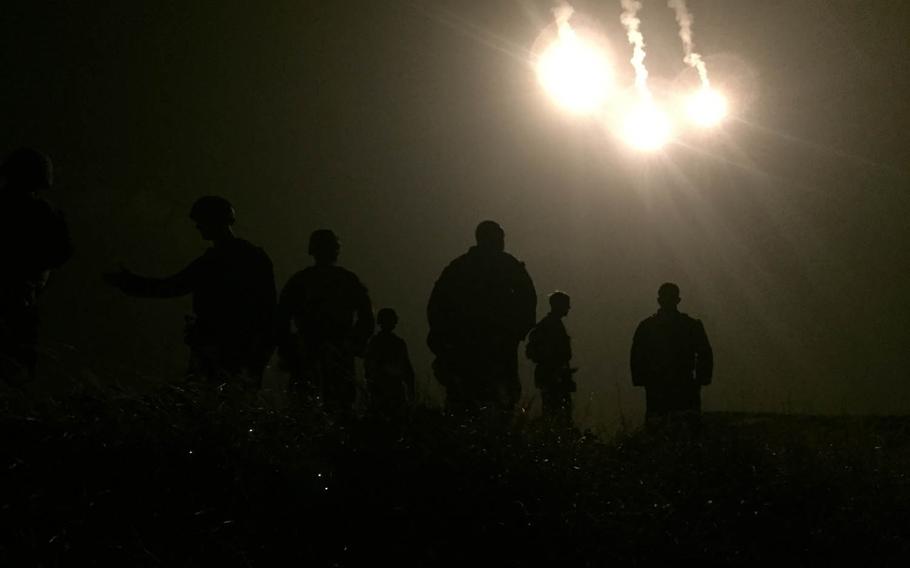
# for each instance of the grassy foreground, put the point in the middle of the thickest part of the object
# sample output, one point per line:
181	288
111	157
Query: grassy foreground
182	479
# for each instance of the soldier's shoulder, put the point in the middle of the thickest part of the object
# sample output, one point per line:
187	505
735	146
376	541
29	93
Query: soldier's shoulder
459	261
346	275
649	321
511	260
456	267
690	318
299	278
253	250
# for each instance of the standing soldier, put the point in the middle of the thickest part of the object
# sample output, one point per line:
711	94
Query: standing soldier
333	317
388	370
34	239
233	287
481	308
671	357
550	347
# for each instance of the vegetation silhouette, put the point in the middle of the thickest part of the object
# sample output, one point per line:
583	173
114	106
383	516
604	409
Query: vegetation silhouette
230	334
34	240
176	478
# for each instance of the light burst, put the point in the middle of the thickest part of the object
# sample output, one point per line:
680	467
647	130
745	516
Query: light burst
646	127
706	107
574	70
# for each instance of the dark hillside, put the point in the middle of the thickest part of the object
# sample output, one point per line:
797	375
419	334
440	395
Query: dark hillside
179	479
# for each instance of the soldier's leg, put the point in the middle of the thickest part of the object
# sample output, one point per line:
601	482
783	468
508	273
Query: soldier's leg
303	382
657	406
565	408
513	380
18	343
547	403
339	389
557	406
199	368
503	382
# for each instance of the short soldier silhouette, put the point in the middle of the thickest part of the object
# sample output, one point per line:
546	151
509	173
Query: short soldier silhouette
671	357
333	319
230	334
480	309
387	367
34	240
550	347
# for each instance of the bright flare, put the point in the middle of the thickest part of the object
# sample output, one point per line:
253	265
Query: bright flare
646	127
576	73
707	107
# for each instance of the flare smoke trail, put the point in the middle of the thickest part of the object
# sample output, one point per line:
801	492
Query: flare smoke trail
562	14
630	21
692	59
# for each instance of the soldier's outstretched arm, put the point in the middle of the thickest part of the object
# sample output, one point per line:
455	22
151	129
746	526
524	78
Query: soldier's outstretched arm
704	356
179	284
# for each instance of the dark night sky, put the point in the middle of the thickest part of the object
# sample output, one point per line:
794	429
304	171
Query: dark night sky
401	125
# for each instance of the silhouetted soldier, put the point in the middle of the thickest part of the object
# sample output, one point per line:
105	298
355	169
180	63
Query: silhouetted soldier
551	348
387	366
481	307
230	334
33	240
671	357
333	317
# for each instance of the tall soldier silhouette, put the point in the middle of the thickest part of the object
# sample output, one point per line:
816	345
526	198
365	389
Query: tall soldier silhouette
551	348
333	317
230	334
34	239
387	367
671	357
480	309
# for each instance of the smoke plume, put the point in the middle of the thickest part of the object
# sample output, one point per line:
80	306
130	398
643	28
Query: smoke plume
630	21
692	59
562	14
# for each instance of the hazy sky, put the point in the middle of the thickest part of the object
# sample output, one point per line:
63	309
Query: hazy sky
402	124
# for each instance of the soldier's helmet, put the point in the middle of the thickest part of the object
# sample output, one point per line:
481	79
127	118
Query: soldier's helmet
490	235
668	294
213	210
387	318
26	169
559	301
324	244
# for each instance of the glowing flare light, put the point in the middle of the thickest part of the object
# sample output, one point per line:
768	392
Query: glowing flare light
707	108
646	127
576	73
